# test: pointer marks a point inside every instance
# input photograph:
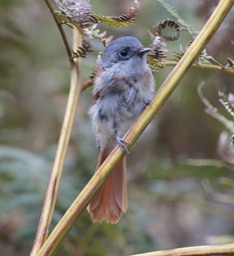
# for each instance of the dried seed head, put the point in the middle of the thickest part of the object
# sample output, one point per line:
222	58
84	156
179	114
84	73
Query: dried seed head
158	48
78	11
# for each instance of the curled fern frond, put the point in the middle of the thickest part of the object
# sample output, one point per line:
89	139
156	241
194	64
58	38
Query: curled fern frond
92	77
95	69
170	9
203	57
230	63
227	102
77	12
107	40
122	20
168	30
177	55
225	146
131	13
209	108
84	49
94	32
158	49
154	63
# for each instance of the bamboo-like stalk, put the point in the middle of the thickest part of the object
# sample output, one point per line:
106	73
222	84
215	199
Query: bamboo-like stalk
51	195
226	249
79	204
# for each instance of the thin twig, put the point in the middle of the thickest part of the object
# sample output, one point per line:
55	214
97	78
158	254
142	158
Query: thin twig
201	65
51	195
88	83
208	105
64	225
212	111
63	35
226	249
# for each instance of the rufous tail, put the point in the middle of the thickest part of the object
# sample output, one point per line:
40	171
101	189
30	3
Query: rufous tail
111	200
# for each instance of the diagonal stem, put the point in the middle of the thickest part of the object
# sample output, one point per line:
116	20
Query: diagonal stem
74	211
51	195
60	28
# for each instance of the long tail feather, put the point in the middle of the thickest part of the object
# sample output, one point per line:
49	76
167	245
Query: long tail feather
111	200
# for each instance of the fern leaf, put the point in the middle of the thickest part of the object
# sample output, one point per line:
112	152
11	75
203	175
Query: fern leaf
175	14
94	32
177	55
154	63
111	21
227	102
123	20
84	49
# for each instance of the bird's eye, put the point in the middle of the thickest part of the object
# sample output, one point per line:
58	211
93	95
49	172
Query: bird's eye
124	53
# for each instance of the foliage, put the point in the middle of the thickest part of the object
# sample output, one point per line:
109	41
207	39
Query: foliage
181	149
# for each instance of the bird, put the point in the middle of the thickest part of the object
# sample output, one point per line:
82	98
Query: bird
123	87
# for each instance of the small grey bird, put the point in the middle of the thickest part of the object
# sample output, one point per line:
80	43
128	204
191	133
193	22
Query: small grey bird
123	86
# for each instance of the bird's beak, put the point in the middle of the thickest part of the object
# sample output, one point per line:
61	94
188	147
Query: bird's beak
144	50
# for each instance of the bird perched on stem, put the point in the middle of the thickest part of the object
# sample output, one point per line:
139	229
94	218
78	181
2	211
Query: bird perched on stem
123	87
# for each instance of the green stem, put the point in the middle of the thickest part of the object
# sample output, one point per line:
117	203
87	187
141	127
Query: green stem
202	65
64	38
227	249
79	204
166	63
51	195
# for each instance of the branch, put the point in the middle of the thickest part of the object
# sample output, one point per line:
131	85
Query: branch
59	25
82	200
227	249
88	83
212	111
201	65
51	195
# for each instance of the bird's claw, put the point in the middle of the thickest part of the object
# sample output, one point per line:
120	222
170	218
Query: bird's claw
121	143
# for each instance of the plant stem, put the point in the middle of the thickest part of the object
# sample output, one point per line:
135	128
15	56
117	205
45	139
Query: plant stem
60	28
51	195
227	249
202	65
166	63
79	204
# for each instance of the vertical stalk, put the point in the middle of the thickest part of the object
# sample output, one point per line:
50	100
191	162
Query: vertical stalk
52	190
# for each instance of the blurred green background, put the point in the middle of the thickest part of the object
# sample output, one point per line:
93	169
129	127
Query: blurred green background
168	205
